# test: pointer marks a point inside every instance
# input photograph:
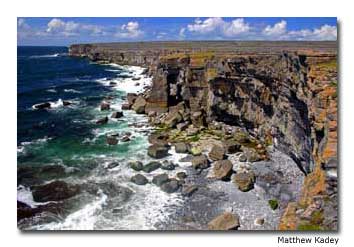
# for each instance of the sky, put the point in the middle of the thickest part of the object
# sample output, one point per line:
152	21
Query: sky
60	31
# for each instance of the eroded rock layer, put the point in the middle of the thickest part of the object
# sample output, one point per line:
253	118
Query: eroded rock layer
282	93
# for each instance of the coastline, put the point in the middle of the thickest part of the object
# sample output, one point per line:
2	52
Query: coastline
188	110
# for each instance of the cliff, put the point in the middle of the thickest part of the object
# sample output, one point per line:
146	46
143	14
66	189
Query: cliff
283	93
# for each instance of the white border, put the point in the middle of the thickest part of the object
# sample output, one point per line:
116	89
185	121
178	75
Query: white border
11	9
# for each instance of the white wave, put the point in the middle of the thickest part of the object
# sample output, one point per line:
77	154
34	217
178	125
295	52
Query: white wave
83	219
24	194
71	91
134	84
113	70
52	90
46	56
149	206
56	104
129	85
22	148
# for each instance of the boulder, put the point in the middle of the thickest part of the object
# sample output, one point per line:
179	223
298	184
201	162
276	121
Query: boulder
222	169
139	179
139	105
168	165
172	119
242	158
231	146
54	191
125	138
200	162
177	108
50	171
241	136
197	118
102	120
224	222
181	175
217	153
111	140
181	147
244	181
160	179
131	97
45	105
151	166
195	151
259	221
170	186
151	114
157	151
188	190
182	126
251	154
188	158
125	106
105	106
25	211
117	114
66	103
112	165
158	138
136	165
191	130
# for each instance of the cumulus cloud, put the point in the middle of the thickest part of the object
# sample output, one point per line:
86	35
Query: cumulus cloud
278	29
129	30
71	28
326	32
206	26
279	32
218	26
236	27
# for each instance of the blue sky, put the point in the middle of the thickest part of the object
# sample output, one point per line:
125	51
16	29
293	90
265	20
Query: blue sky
66	31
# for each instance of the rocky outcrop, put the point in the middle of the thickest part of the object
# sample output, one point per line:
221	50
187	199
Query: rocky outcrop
279	94
54	191
225	221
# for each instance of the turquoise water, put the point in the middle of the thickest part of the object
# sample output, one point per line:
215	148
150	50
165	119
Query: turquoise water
68	136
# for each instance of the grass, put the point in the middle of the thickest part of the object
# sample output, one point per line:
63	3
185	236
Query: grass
309	227
331	64
273	204
197	58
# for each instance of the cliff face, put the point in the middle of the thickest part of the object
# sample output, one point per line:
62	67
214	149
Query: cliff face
284	94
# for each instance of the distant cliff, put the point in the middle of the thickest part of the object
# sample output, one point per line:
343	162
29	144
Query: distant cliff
285	93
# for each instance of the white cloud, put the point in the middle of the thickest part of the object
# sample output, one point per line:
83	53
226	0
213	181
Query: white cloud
21	24
71	28
161	35
279	32
219	26
278	29
236	27
206	26
129	30
181	33
326	32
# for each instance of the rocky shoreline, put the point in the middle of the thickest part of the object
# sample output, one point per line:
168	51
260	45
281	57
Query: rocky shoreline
256	123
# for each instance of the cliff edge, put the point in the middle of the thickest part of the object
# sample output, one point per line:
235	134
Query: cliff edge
282	94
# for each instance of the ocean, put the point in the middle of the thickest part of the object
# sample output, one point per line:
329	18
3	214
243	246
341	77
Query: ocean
64	143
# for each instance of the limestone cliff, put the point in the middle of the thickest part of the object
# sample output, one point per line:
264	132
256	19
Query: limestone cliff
283	93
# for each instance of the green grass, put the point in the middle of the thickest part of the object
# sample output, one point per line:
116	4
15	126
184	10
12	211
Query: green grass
273	204
309	227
